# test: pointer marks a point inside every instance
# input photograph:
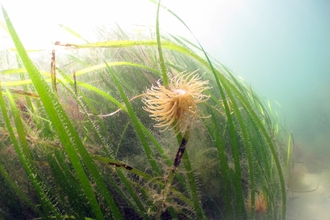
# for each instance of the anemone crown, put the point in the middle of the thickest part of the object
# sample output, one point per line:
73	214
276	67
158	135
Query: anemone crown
176	104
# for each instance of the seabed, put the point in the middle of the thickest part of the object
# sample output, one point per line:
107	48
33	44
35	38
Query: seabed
311	205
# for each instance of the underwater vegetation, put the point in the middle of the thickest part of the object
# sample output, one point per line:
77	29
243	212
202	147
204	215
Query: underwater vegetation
143	128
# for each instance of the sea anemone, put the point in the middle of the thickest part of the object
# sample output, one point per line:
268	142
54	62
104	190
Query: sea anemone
176	104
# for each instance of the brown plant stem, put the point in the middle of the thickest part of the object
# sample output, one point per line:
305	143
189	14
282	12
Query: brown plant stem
169	178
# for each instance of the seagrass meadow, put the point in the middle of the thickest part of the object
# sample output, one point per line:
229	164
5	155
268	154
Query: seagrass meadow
135	127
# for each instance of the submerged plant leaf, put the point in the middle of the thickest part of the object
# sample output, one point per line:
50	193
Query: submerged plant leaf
67	134
98	150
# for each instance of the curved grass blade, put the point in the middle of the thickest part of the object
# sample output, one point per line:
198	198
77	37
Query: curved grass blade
193	187
144	175
102	66
22	149
224	169
159	46
140	209
72	32
270	145
136	123
17	190
220	80
67	134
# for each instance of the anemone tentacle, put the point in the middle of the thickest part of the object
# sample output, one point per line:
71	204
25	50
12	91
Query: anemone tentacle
177	104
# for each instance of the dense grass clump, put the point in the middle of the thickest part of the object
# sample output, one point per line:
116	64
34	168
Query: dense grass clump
86	139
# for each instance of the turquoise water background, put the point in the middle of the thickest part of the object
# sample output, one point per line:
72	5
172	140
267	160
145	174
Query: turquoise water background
281	48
